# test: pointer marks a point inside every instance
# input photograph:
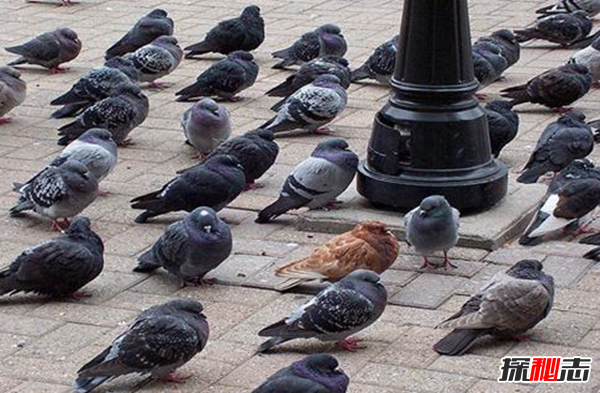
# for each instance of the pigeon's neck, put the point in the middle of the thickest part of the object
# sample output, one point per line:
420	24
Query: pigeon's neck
344	159
95	244
335	383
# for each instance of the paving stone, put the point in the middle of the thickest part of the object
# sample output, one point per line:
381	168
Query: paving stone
468	364
487	386
566	271
27	326
564	328
37	387
427	291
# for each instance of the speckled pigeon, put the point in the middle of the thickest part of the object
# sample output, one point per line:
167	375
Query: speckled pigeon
190	248
569	208
433	226
159	341
554	88
591	7
57	267
224	79
49	50
13	91
206	125
503	124
58	192
563	29
157	59
311	108
589	57
578	169
509	305
307	74
246	32
324	41
98	84
562	141
506	41
314	373
214	183
317	181
380	65
120	113
334	314
157	23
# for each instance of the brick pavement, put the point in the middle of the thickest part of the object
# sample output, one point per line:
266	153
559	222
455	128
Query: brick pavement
43	343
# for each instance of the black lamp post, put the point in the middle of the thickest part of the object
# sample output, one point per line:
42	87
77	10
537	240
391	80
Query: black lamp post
432	137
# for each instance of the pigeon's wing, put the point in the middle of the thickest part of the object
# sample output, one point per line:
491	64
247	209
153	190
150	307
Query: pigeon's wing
383	60
42	48
152	60
151	343
307	47
576	200
110	113
554	83
46	188
559	28
229	76
311	178
313	104
229	33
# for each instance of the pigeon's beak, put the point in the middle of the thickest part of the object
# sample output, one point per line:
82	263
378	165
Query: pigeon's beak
207	228
422	212
240	167
338	370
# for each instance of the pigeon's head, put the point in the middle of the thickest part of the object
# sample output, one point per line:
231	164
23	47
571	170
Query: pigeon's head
323	369
187	306
9	71
500	106
79	224
335	60
577	68
158	13
220	161
330	29
124	65
68	34
251	11
327	80
70	41
165	40
376	228
208	105
78	176
506	35
333	144
572	118
338	152
434	206
526	269
580	14
203	219
99	136
241	55
364	275
267	135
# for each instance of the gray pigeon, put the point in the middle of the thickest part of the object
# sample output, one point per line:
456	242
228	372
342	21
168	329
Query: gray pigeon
120	113
308	73
503	124
562	141
159	341
157	59
488	63
57	267
554	88
563	29
327	40
224	79
13	90
206	125
98	84
58	192
506	41
317	181
147	29
380	65
311	108
590	58
334	314
255	150
432	226
190	248
314	373
247	32
509	305
591	7
49	50
570	207
214	183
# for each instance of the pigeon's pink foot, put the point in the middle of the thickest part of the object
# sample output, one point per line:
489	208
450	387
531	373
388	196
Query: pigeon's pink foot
202	156
197	282
236	98
596	85
428	265
349	344
447	262
563	109
80	295
253	186
481	96
60	225
521	337
127	142
333	205
58	70
5	120
176	378
159	85
585	229
323	131
103	193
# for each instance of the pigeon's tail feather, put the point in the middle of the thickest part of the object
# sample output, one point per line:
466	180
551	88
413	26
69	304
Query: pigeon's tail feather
279	126
584	42
22	205
548	10
531	175
69	110
147	263
198	49
593	254
20	60
458	341
8	283
278	105
70	132
526	240
591	239
289	284
360	74
194	90
517	94
283	89
277	208
87	384
69	97
525	35
270	343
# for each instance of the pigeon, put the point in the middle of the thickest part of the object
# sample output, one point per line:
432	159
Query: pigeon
157	59
58	192
224	79
57	267
554	88
590	58
314	373
503	124
317	181
562	141
506	41
380	65
156	24
99	83
206	125
311	108
159	341
327	40
13	91
49	50
569	208
590	7
432	226
509	305
370	245
307	74
120	113
334	314
247	32
488	63
190	248
214	183
578	169
563	29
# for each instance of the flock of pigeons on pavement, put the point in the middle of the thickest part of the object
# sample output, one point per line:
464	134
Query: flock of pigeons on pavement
107	103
